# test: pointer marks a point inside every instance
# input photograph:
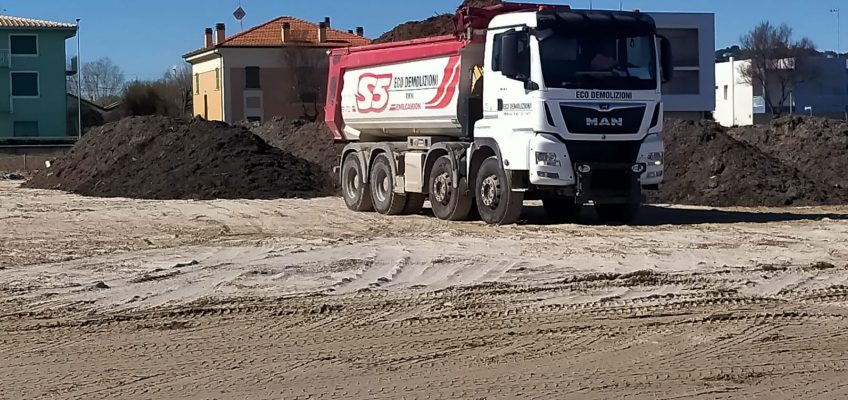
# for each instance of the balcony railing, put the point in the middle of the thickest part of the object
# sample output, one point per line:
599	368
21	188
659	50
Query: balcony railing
5	58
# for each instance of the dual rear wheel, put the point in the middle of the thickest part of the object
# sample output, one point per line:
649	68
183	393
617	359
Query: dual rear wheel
378	194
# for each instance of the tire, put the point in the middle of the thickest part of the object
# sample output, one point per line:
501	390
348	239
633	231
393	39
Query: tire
385	200
448	203
414	203
618	213
496	202
357	194
562	210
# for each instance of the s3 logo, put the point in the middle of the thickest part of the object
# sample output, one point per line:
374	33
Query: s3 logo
372	93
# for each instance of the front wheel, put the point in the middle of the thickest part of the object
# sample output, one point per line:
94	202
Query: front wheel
497	203
356	193
618	213
449	202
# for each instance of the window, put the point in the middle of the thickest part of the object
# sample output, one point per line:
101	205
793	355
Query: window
217	79
196	83
251	77
684	42
25	84
25	128
684	83
496	52
23	45
725	92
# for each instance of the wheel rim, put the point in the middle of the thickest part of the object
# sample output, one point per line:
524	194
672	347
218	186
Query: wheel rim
490	191
352	183
441	188
382	186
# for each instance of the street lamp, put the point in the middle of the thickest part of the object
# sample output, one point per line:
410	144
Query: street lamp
838	35
79	84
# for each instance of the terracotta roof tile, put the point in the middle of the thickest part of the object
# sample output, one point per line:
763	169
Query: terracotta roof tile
7	21
303	33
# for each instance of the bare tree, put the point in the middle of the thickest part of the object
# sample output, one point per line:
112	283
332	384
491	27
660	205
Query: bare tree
777	64
179	82
102	81
306	78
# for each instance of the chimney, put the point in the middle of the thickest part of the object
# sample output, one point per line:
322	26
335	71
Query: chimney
322	32
360	31
350	31
286	32
327	21
220	31
207	43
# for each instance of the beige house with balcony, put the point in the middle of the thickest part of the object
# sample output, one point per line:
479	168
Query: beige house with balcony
278	68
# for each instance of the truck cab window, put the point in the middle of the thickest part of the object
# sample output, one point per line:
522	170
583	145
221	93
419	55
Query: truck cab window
598	62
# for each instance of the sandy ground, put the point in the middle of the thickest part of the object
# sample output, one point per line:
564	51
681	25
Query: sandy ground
118	298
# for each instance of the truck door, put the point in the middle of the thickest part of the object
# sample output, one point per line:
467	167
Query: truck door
507	100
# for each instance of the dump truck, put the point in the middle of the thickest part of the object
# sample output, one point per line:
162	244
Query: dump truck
522	102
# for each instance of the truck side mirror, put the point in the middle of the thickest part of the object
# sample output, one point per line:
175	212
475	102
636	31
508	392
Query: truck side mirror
515	59
665	60
509	54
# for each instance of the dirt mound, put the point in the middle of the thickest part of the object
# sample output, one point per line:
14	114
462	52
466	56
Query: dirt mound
706	166
165	158
816	146
311	141
433	26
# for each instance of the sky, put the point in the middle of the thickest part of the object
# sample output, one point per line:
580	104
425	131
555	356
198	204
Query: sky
147	37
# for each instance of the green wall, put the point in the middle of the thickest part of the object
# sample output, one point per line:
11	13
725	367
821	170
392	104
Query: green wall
50	108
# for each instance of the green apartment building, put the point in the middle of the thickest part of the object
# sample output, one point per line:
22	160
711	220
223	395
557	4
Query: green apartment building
33	92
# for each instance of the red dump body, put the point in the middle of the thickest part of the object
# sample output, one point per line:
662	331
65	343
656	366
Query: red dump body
469	26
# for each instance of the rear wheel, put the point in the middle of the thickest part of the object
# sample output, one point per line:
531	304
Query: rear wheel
620	213
496	202
356	193
449	203
383	195
562	209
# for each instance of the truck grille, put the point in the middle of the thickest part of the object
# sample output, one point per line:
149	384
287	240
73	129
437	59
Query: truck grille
590	121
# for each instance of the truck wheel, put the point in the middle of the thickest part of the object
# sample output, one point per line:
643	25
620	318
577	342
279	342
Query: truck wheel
386	201
357	195
621	213
414	203
497	203
562	210
449	203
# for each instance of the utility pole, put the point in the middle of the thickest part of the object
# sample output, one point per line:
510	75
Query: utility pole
79	84
838	34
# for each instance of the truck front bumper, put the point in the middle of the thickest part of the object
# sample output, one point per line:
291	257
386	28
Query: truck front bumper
552	165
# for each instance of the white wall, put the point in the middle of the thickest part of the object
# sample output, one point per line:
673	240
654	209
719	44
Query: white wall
738	108
704	23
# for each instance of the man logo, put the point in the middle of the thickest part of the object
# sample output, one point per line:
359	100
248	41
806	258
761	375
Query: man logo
604	121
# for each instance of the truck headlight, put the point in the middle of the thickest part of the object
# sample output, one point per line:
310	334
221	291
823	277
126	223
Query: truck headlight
656	158
547	159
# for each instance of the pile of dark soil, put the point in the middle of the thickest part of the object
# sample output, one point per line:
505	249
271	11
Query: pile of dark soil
816	146
165	158
433	26
706	166
311	141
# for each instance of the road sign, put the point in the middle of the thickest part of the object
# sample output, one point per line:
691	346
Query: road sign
239	14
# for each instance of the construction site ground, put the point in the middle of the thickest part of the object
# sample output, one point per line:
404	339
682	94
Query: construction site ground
296	299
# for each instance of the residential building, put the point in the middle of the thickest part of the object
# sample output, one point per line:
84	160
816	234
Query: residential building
278	68
822	90
32	78
690	94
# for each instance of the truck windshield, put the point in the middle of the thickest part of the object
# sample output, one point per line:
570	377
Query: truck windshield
599	62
